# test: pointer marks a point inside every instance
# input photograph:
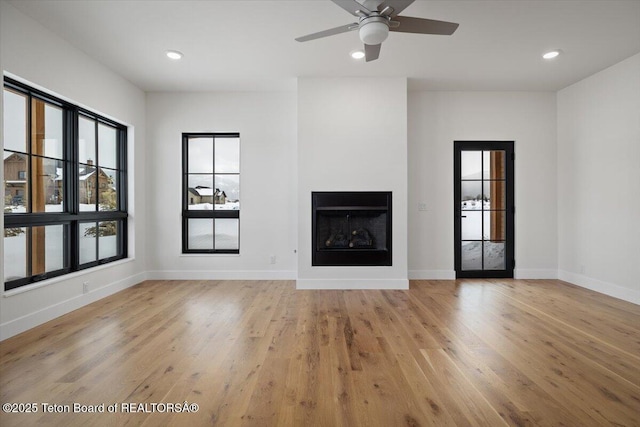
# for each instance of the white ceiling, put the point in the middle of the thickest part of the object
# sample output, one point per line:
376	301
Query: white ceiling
249	45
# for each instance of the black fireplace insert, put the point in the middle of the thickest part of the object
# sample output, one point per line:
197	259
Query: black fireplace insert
351	228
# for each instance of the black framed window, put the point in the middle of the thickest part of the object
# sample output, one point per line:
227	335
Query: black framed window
211	193
65	187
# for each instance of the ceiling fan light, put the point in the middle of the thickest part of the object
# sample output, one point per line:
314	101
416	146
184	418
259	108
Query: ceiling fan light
373	33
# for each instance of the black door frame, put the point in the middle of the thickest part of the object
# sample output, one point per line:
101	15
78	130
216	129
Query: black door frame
508	147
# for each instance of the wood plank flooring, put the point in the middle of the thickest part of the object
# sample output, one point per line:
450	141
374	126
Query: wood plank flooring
260	353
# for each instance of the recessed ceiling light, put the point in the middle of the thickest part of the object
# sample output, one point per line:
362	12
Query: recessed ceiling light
551	54
357	54
174	54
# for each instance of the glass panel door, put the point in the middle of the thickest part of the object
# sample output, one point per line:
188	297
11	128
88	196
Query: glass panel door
484	211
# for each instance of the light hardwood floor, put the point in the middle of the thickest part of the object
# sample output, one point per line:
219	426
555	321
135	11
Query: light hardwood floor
472	352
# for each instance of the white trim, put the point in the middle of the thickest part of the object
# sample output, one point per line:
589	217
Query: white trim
31	320
432	274
611	289
64	277
222	275
535	273
352	284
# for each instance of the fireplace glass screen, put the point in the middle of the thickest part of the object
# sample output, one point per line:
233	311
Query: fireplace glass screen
351	228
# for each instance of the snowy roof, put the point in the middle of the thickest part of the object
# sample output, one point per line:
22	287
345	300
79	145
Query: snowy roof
202	192
84	177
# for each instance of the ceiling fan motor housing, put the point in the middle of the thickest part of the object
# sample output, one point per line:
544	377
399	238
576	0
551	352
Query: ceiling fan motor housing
373	30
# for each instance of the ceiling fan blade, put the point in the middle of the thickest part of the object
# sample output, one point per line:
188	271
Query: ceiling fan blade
330	32
409	24
371	52
397	6
353	7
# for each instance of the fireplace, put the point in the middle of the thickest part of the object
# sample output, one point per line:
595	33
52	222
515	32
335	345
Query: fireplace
351	228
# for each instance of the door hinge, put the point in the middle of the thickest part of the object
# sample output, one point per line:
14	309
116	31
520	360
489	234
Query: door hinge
513	156
513	263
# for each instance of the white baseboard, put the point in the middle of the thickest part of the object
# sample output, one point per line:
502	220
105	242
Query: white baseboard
46	314
432	274
535	273
222	275
345	284
529	273
613	290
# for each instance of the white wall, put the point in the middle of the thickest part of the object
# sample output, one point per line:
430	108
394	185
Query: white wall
436	119
34	54
352	136
599	181
266	122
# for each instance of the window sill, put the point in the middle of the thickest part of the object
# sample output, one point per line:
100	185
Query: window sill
64	277
207	255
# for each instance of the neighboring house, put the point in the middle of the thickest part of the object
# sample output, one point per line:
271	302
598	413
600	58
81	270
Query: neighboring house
15	178
87	178
220	197
200	194
16	174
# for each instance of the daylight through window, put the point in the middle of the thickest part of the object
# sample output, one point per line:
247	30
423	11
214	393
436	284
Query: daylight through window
64	187
211	193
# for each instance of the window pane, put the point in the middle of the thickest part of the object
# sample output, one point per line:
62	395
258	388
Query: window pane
471	225
107	146
108	190
471	255
471	162
47	248
494	256
87	187
494	225
494	193
200	233
55	237
15	253
227	155
88	242
15	121
200	192
471	195
493	164
227	233
227	194
16	182
108	239
87	140
200	155
46	124
48	185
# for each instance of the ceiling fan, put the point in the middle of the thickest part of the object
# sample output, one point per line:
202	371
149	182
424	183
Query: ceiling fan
376	18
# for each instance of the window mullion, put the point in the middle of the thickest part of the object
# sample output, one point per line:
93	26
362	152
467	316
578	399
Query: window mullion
95	165
71	172
121	173
29	206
